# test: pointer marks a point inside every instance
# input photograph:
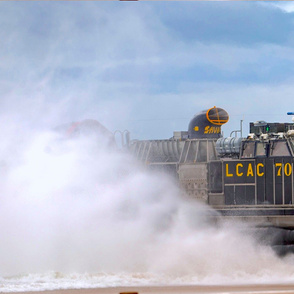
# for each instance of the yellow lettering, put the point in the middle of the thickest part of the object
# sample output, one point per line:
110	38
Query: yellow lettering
210	130
239	174
249	170
196	129
288	169
279	165
259	165
227	171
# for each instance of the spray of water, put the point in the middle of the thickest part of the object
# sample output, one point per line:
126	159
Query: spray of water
79	206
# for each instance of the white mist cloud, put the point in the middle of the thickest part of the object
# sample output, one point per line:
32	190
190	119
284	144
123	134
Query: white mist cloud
81	207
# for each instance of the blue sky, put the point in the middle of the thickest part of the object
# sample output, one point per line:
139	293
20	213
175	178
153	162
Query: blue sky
145	66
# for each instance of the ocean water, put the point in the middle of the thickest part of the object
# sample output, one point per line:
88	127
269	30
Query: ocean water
77	214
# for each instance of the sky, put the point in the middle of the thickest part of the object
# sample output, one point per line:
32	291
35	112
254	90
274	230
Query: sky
146	67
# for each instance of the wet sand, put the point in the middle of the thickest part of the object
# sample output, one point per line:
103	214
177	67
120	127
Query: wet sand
232	289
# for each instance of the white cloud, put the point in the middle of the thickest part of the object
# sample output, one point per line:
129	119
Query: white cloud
121	65
286	6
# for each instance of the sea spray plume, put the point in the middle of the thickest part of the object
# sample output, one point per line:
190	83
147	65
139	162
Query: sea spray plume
85	207
72	209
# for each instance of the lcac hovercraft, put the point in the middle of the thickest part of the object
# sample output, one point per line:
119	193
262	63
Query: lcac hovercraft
248	178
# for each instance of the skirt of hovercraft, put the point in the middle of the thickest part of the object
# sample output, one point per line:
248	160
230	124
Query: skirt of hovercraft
283	250
281	240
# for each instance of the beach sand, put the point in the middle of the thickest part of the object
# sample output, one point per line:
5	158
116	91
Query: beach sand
254	289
